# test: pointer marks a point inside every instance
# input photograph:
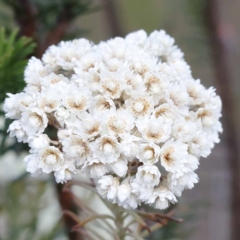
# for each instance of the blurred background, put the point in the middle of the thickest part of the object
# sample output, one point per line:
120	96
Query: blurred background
207	31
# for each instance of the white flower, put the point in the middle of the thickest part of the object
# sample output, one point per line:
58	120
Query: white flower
62	114
133	83
138	37
76	101
64	174
177	95
111	85
50	159
25	100
184	130
101	104
32	162
119	123
52	80
124	192
34	121
120	167
88	125
168	112
178	184
16	130
95	168
148	175
149	153
11	106
76	147
161	198
49	100
173	156
196	92
199	145
155	84
107	187
142	192
107	149
154	130
122	110
140	105
192	162
34	72
38	142
130	146
208	116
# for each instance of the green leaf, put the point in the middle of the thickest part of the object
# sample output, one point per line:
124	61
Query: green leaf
14	52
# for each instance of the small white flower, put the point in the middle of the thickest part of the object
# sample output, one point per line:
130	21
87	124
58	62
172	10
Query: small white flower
177	96
95	168
161	198
32	162
49	100
16	130
148	175
140	105
88	126
173	156
34	121
107	187
142	192
111	85
119	123
199	145
38	142
62	114
107	149
76	147
168	112
101	104
66	171
184	130
124	192
149	153
133	83
76	101
11	106
178	184
196	91
119	167
154	130
34	72
155	84
52	80
50	159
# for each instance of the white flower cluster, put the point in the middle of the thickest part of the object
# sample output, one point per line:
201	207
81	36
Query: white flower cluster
127	112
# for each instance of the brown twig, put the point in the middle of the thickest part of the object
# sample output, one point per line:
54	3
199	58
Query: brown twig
112	18
25	17
67	204
224	86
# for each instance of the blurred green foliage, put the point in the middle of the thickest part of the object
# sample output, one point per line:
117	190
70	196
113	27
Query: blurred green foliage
14	52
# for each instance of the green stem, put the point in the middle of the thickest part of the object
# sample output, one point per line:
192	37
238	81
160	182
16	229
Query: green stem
120	231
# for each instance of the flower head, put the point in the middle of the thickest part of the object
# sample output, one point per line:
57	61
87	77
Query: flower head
127	112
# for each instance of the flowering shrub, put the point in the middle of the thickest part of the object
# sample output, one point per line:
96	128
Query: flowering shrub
127	112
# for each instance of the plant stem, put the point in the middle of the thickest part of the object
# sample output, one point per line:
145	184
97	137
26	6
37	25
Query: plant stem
119	222
66	202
